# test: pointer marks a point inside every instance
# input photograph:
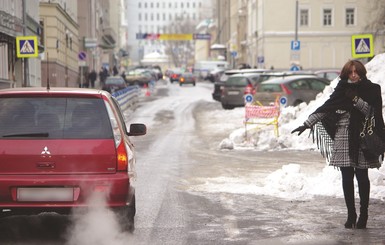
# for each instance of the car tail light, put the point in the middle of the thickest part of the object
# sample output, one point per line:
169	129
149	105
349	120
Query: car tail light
249	89
182	79
122	157
285	89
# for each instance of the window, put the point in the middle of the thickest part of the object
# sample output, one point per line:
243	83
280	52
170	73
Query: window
52	118
139	5
145	5
349	17
139	16
145	16
327	17
304	17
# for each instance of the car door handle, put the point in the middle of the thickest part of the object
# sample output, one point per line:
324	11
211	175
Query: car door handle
45	165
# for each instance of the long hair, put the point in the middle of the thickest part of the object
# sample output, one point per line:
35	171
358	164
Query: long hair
360	68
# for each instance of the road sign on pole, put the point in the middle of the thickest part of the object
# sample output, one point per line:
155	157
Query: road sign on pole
295	45
362	46
26	47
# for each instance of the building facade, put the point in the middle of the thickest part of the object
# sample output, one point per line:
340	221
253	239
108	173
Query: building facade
164	17
322	28
18	18
59	64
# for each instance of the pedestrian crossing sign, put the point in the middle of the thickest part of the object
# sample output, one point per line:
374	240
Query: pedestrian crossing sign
362	46
26	47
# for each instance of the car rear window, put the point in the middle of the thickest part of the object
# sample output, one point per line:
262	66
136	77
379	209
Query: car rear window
237	81
269	88
54	118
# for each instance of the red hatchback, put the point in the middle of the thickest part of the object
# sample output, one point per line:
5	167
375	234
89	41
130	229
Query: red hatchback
59	146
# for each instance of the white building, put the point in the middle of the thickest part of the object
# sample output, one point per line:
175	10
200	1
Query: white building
261	32
162	17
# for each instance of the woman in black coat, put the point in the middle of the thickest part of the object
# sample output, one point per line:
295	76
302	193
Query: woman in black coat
337	125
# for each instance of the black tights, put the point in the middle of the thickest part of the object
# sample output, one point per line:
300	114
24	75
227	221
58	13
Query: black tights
363	188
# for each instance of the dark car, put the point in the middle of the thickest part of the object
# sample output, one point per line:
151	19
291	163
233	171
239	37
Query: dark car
141	77
114	83
219	84
294	89
236	87
175	75
187	78
62	146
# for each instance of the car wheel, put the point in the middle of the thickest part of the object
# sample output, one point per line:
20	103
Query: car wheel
180	84
126	216
226	107
194	84
297	102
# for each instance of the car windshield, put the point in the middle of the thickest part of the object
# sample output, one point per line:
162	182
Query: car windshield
237	81
52	118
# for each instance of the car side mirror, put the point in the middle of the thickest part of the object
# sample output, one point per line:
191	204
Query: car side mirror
137	129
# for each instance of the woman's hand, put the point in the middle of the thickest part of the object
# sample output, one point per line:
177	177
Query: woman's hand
300	129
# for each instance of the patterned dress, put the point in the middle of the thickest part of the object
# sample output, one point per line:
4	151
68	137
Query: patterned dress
340	145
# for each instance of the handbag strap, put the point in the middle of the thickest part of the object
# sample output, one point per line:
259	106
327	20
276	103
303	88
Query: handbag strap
368	124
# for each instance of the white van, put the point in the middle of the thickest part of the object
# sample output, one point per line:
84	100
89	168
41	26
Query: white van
204	67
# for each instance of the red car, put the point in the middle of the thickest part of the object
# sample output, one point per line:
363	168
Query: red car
61	146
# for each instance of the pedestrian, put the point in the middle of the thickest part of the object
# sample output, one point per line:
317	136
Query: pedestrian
92	78
103	73
336	125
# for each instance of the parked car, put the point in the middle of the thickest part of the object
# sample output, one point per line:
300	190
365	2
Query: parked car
328	74
187	78
114	83
175	75
236	87
60	146
296	89
218	85
140	76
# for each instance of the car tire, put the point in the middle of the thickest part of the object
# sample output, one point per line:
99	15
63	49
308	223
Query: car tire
194	84
126	216
227	107
180	84
297	102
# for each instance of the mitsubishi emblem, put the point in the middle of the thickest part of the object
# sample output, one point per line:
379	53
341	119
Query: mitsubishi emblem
45	151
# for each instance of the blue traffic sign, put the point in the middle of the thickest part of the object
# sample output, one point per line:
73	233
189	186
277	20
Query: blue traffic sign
294	68
295	45
248	98
82	55
283	100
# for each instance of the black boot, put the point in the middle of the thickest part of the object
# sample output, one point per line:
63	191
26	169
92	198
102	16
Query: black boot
364	191
362	220
348	188
351	221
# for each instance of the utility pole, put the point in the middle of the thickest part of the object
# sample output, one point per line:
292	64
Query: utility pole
25	60
296	21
